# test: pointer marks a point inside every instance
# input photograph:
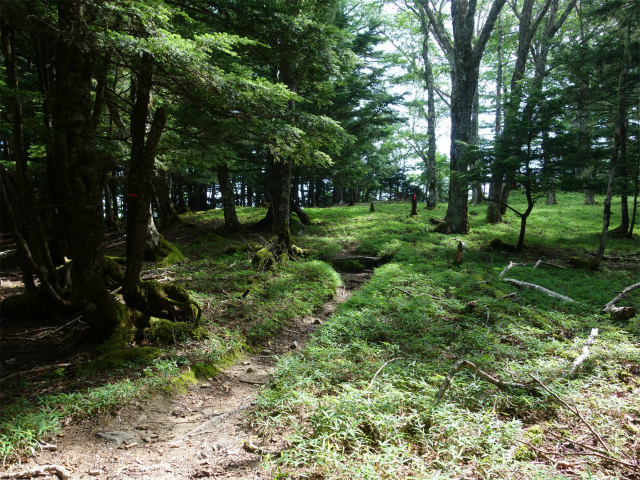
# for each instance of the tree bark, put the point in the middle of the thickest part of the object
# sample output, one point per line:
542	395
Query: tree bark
231	223
617	140
78	173
464	58
143	156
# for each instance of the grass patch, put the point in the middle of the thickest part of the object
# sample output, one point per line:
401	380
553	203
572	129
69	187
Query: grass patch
359	401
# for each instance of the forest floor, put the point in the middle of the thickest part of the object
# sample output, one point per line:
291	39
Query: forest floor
356	396
204	432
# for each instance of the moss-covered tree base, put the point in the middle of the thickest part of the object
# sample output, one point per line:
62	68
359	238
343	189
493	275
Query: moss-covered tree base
280	249
165	253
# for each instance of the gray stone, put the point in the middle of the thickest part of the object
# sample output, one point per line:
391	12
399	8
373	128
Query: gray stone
317	321
293	346
117	437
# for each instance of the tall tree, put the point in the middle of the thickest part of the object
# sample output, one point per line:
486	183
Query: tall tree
464	56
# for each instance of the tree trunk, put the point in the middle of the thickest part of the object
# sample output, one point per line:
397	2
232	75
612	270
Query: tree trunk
231	223
143	156
311	197
620	132
162	188
338	195
78	178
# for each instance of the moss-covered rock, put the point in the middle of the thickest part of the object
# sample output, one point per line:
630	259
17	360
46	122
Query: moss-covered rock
499	244
263	258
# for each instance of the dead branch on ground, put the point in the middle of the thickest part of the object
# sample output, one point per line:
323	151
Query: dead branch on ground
540	262
573	410
509	267
622	313
470	366
585	352
533	286
380	369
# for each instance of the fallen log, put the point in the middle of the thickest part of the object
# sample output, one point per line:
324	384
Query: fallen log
622	313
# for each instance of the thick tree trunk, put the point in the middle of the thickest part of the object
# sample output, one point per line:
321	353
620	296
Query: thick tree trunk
78	177
231	223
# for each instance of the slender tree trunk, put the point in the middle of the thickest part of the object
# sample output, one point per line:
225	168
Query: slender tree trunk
143	156
162	189
617	140
231	223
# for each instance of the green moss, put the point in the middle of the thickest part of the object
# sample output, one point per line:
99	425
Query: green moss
202	371
165	253
208	238
350	266
112	270
499	244
263	258
125	331
181	384
116	358
166	332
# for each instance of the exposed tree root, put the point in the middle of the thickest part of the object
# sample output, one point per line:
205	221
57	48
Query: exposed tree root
40	471
279	249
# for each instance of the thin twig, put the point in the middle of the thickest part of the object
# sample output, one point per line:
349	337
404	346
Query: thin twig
380	369
574	411
470	366
509	267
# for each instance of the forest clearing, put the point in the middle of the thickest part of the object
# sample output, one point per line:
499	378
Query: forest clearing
358	400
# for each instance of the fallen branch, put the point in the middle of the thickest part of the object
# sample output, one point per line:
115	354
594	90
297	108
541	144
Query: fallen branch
251	448
621	312
573	410
540	262
585	352
533	286
470	366
590	453
509	267
24	373
40	471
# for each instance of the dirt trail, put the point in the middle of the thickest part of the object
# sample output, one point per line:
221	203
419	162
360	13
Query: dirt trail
199	434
